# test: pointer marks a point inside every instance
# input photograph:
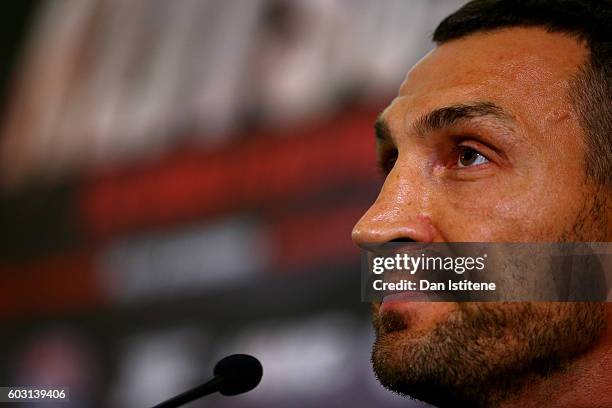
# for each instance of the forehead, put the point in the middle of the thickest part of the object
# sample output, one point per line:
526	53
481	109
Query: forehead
524	70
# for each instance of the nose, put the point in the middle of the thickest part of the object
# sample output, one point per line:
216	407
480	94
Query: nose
402	212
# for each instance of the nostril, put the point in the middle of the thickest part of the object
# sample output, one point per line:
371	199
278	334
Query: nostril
402	240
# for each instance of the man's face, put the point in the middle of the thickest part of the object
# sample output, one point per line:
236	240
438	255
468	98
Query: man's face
482	145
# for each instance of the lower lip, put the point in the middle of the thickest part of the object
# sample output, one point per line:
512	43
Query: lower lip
411	296
402	301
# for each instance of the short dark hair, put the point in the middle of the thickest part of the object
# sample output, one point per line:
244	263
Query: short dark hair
590	22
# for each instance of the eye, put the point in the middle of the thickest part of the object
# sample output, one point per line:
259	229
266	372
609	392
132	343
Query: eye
469	157
386	161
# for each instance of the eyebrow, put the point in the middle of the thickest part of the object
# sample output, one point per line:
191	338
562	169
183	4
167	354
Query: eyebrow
446	117
381	129
451	115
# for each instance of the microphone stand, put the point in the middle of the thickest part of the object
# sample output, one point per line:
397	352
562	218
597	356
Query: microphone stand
194	393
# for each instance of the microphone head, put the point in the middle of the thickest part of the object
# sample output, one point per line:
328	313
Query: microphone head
239	372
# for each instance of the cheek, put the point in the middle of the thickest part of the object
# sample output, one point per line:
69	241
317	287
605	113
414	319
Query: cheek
512	212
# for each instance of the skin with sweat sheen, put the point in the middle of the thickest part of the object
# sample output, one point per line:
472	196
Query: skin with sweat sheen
509	168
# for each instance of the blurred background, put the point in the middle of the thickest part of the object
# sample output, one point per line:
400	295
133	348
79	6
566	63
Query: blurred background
179	180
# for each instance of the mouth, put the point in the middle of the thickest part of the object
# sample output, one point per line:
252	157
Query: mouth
402	303
408	305
407	296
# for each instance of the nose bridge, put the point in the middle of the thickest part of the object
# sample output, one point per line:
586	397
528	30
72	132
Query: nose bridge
404	188
401	211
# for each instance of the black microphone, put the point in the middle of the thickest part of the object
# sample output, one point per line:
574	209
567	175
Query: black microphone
234	375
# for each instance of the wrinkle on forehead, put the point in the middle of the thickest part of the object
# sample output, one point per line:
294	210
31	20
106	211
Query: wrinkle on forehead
524	55
524	70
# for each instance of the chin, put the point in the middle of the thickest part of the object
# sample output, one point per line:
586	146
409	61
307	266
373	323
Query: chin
470	354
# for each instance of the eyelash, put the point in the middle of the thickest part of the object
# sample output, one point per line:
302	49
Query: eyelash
389	157
461	149
387	161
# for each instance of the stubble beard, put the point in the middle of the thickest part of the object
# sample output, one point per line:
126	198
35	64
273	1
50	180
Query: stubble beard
483	353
